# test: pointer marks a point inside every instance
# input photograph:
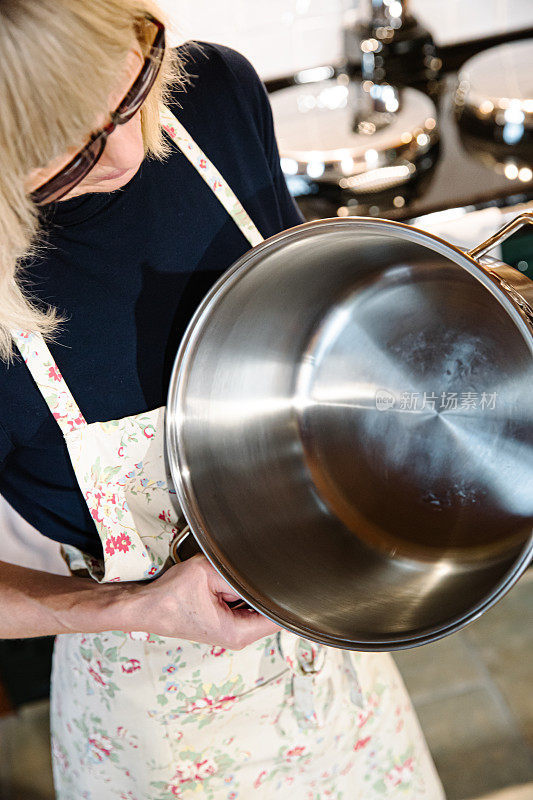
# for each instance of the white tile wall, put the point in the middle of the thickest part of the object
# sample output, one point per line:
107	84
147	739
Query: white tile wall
279	37
283	36
463	20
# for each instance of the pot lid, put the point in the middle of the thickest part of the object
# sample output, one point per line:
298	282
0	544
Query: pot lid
357	135
496	88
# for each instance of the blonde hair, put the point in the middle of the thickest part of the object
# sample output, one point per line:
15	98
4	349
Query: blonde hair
59	62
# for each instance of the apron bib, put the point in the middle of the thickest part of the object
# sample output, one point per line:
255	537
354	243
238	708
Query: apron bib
142	717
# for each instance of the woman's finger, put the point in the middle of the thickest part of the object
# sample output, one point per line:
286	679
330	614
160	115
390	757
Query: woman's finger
254	625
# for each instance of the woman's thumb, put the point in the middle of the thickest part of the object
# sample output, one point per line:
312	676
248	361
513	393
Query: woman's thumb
221	587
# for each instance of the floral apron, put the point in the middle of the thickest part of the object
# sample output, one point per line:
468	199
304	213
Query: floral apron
137	716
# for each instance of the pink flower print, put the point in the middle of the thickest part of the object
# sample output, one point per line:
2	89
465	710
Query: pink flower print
294	752
361	743
75	423
123	543
169	129
258	781
399	775
172	686
216	650
149	431
363	717
153	570
100	748
202	163
165	516
120	544
205	768
185	772
54	373
132	665
211	705
95	514
110	545
216	185
170	668
97	677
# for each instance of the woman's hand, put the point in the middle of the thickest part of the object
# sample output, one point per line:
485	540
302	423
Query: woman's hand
189	601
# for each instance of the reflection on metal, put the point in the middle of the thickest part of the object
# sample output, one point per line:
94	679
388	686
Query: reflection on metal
387	13
378	180
500	236
314	74
389	46
494	104
327	132
495	89
372	487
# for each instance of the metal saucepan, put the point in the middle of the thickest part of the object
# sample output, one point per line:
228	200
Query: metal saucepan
350	431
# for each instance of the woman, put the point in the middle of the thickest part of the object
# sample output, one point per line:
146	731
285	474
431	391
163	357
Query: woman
114	224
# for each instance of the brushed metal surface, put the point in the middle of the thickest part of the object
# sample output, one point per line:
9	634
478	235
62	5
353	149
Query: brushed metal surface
326	501
317	136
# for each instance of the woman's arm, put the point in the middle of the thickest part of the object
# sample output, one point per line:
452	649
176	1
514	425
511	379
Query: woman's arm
188	602
35	603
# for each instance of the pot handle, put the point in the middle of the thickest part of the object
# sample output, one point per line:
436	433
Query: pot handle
500	236
194	548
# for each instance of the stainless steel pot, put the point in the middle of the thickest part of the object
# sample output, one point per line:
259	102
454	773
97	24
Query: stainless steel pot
350	431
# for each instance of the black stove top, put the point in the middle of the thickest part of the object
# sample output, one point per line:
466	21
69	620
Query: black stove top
453	175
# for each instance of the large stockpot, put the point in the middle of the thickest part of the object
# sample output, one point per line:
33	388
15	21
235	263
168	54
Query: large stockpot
350	431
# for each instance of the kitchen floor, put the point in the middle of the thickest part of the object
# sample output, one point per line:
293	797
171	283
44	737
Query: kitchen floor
473	693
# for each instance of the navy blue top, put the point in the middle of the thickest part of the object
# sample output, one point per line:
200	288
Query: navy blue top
128	268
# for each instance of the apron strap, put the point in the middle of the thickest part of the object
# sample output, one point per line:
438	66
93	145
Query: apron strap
49	380
32	346
222	191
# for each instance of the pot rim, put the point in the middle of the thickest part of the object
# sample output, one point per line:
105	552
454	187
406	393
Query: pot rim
173	417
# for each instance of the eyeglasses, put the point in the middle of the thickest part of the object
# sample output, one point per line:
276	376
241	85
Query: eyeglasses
83	162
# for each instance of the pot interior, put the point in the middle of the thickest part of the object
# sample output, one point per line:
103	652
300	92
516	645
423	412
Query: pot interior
352	434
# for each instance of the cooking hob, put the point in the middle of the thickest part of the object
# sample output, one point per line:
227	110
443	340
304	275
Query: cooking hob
449	175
